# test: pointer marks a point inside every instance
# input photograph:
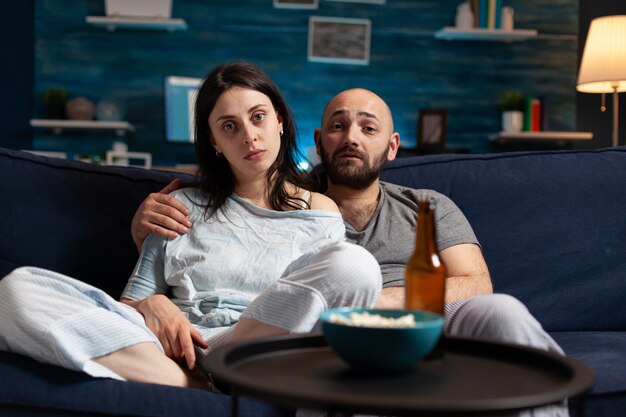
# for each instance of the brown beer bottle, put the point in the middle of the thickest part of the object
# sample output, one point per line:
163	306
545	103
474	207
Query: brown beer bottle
425	275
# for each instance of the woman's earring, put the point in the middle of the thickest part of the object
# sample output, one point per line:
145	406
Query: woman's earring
218	154
281	133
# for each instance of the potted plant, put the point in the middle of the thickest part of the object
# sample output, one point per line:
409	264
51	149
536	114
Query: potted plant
512	105
55	98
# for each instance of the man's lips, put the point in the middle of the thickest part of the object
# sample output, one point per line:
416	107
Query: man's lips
254	154
349	155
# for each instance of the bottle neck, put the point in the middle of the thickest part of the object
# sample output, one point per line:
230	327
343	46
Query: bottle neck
425	242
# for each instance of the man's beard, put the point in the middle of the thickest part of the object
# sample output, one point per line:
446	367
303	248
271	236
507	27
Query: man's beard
347	173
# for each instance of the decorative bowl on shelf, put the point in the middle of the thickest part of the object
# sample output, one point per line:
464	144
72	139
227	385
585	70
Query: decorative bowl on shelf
79	108
381	340
110	109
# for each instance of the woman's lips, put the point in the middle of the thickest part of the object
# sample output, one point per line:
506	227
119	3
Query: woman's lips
255	154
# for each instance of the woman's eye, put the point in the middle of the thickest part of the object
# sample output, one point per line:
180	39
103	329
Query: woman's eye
259	116
228	127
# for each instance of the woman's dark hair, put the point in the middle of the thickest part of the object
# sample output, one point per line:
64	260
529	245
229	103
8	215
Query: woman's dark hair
215	178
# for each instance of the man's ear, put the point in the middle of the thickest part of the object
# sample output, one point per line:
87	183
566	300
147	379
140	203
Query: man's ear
317	136
394	144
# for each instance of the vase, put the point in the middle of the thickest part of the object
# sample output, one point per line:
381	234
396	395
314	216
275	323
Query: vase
79	108
512	121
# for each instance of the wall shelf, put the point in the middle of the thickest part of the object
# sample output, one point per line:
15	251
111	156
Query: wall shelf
57	126
111	23
450	33
538	137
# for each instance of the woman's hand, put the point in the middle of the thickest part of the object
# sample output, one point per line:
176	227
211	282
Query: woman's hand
172	328
160	213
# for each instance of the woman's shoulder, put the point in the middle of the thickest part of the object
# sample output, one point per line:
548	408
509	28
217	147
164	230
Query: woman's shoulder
192	197
321	202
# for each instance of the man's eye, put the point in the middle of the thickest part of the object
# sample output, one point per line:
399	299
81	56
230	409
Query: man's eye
369	129
336	126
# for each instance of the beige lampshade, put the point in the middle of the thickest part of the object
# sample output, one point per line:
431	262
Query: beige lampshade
603	66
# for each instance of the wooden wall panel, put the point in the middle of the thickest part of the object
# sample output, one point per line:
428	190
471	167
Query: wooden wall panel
409	67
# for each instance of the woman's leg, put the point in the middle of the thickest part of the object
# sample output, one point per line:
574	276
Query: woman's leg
338	275
65	322
145	362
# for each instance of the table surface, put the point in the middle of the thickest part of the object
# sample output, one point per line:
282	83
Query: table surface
471	376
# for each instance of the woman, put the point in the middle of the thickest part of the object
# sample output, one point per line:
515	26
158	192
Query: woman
265	257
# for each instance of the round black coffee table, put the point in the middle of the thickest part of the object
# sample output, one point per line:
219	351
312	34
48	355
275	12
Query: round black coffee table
470	377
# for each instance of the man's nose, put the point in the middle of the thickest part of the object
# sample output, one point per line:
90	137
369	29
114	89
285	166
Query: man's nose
352	136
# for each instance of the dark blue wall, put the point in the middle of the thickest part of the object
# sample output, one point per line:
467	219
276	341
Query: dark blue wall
409	67
16	74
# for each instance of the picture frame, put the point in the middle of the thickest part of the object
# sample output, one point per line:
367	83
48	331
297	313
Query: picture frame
339	40
432	129
296	4
359	1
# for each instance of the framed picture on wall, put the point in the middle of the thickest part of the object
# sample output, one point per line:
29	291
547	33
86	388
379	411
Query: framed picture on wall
431	129
339	40
360	1
296	4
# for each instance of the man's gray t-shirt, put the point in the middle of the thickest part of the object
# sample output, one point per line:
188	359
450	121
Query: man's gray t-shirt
390	234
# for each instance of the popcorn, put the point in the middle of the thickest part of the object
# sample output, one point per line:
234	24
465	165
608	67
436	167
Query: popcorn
366	319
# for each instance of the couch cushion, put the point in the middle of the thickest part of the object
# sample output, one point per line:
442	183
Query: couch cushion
32	388
71	217
552	226
604	352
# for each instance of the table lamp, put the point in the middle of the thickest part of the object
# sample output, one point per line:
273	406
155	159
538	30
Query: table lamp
603	66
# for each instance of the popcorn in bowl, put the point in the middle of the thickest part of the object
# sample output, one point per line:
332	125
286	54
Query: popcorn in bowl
360	335
366	319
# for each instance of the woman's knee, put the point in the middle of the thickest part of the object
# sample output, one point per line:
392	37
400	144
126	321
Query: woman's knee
356	268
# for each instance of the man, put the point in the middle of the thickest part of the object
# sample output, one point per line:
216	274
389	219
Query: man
355	140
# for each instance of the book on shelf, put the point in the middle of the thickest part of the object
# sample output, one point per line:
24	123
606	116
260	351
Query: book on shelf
532	114
474	7
544	113
487	13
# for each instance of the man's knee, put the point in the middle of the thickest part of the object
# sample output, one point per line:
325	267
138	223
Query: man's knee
498	317
502	307
487	315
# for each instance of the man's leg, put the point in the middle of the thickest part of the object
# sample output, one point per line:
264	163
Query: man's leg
498	318
502	318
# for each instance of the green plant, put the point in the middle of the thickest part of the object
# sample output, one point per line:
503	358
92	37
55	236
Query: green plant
55	96
512	101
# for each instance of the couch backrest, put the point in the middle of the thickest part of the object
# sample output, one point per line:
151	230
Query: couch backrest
552	226
71	217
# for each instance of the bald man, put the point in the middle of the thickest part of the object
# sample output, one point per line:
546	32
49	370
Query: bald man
355	140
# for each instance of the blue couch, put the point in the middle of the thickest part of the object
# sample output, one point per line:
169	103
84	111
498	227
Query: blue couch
552	226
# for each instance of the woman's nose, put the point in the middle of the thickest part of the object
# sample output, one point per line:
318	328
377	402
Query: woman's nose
249	134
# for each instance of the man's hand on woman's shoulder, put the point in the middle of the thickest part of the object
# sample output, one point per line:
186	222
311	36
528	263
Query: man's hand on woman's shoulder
162	214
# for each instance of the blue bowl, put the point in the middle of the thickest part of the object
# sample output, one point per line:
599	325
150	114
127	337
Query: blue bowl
382	349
